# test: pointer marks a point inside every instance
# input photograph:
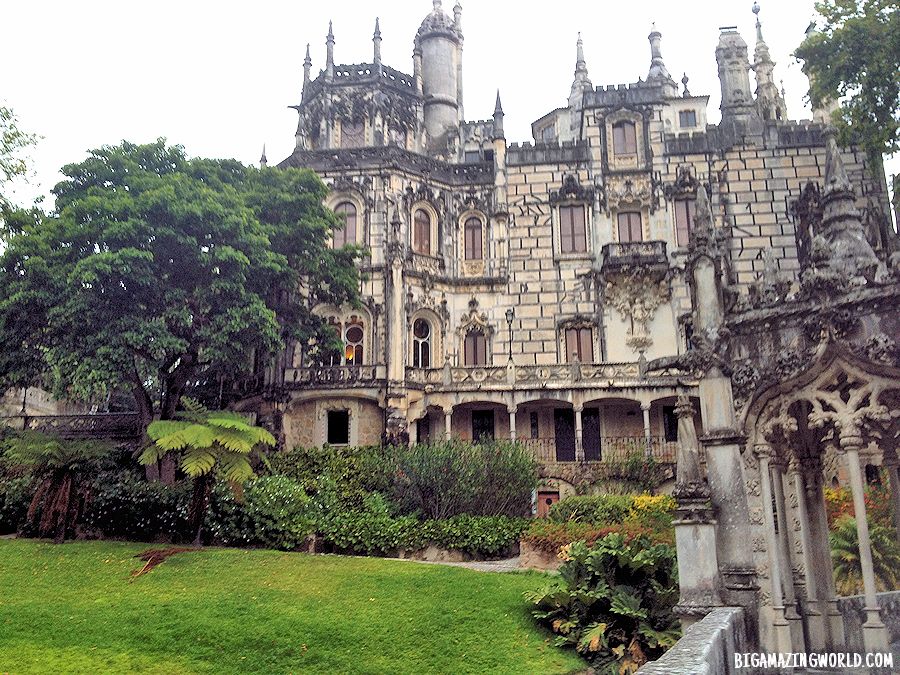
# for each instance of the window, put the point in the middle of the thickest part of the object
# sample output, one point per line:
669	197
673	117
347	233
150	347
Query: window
421	344
471	157
687	118
684	220
473	239
579	345
353	134
482	426
630	226
422	232
572	230
353	343
475	349
548	134
338	427
624	138
670	424
347	234
423	430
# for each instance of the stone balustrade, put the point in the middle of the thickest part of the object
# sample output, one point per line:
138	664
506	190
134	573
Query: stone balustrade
707	647
110	426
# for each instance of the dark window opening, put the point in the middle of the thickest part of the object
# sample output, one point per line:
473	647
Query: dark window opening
590	434
687	118
624	138
473	239
472	156
572	229
670	424
873	475
475	352
423	430
564	428
535	428
579	345
338	427
684	220
630	226
482	426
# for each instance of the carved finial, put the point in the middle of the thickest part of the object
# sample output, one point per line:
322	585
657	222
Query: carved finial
307	64
497	107
703	211
329	53
376	40
330	35
836	178
377	28
437	5
580	63
657	67
684	81
263	162
498	118
307	59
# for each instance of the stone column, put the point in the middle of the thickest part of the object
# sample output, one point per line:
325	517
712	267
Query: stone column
648	443
784	553
779	622
892	465
875	637
448	422
579	446
699	581
820	555
413	432
815	605
512	421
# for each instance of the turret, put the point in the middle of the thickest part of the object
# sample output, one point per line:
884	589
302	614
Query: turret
658	73
734	77
438	47
769	100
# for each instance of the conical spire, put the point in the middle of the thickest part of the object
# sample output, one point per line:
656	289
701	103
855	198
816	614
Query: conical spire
307	65
582	82
498	118
263	162
376	41
329	53
769	100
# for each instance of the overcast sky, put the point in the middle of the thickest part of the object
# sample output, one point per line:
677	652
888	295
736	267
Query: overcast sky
217	77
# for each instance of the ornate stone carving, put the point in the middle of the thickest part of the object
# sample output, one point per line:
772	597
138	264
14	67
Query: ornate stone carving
572	189
684	184
630	191
771	289
636	295
475	320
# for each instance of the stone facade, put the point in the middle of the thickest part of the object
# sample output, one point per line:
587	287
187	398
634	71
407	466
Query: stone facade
520	289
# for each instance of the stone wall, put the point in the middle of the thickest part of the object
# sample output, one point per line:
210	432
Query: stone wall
851	609
707	647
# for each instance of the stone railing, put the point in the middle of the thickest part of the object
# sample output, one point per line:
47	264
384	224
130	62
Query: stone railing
426	264
112	426
559	376
852	611
631	253
335	377
707	647
613	450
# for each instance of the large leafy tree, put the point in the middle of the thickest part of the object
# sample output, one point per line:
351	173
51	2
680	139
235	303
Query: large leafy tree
161	274
13	142
855	58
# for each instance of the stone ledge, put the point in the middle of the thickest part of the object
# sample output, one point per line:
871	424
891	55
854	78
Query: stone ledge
706	648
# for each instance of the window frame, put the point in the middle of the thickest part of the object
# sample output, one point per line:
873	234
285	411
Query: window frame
683	229
681	116
330	414
581	336
421	233
343	238
628	214
468	253
474	334
422	346
624	144
568	231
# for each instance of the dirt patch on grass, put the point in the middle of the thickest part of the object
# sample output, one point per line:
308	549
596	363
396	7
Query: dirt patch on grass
155	556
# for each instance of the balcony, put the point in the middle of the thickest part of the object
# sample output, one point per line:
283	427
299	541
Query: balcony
109	426
618	256
333	377
613	451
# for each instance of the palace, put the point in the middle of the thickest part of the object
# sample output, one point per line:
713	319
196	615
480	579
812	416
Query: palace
633	280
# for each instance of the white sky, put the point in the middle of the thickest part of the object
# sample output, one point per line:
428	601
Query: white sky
217	77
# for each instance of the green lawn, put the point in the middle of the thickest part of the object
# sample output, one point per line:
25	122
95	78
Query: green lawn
73	608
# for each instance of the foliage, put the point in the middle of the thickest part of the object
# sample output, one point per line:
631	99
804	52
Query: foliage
254	611
448	478
839	503
855	58
613	602
206	440
653	511
550	537
350	473
13	140
128	507
273	512
845	556
163	273
61	472
650	511
15	495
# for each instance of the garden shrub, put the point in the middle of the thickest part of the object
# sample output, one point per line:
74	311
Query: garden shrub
839	503
550	537
599	510
652	511
844	542
127	506
613	602
15	495
448	478
271	511
476	535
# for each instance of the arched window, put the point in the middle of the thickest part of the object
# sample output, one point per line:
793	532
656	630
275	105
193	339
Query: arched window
421	344
473	239
422	232
475	349
624	138
353	343
346	211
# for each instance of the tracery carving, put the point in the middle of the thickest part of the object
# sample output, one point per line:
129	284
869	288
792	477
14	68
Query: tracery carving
636	295
572	189
685	183
475	320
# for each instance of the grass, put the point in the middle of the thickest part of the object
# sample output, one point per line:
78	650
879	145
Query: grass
73	608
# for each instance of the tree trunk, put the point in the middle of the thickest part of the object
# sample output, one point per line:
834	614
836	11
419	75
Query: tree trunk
199	504
144	406
174	384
